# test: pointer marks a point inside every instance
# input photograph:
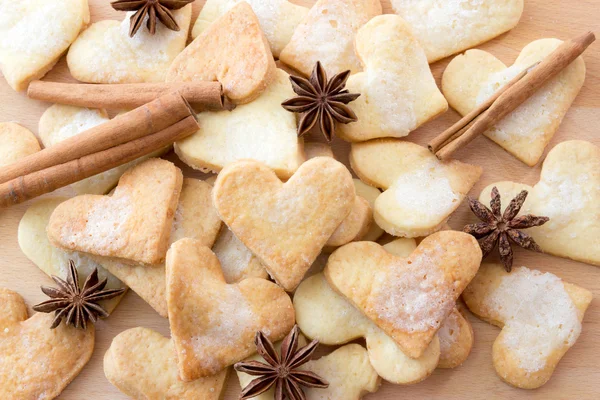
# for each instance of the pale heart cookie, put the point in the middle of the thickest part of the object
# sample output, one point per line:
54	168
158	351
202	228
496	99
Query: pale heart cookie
421	192
261	130
34	34
237	261
213	324
317	149
327	316
370	194
327	35
105	53
286	225
142	364
232	50
397	90
60	122
278	18
540	316
568	193
34	243
472	78
408	298
37	362
446	27
347	370
133	224
16	142
456	333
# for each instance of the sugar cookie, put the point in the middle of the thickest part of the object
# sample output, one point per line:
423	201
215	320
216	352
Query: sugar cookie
536	333
397	90
16	142
473	77
287	224
421	192
237	261
213	323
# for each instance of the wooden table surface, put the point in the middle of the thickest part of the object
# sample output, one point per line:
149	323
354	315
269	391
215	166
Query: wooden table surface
578	374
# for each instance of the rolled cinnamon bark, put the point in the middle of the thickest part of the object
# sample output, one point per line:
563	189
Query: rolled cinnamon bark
47	180
145	120
201	95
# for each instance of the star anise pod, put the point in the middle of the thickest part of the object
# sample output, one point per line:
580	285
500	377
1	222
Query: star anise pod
154	9
281	371
321	100
503	228
74	304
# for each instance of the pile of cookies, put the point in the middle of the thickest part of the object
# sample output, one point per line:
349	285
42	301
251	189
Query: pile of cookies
279	233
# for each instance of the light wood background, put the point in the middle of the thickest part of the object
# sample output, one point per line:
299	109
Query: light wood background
577	375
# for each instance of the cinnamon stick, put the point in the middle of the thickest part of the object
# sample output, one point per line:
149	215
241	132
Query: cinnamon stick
201	95
147	119
47	180
447	143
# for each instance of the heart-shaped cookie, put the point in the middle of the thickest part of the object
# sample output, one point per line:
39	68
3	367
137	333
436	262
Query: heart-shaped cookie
347	370
213	324
105	53
37	362
568	193
421	192
34	34
142	364
327	316
472	78
446	27
34	243
261	130
540	316
287	224
232	50
237	261
60	122
370	194
397	90
16	142
408	298
133	224
456	333
278	18
338	22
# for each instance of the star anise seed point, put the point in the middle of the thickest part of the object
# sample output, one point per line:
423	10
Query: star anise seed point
501	229
155	10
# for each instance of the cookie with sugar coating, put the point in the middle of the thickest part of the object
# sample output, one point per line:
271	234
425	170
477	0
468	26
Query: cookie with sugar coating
536	333
278	18
34	243
35	34
213	323
38	362
261	130
420	192
105	53
370	194
568	193
336	22
237	261
354	226
325	315
347	370
473	77
286	224
60	122
142	364
317	149
397	90
133	224
456	333
16	142
232	50
447	27
428	283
